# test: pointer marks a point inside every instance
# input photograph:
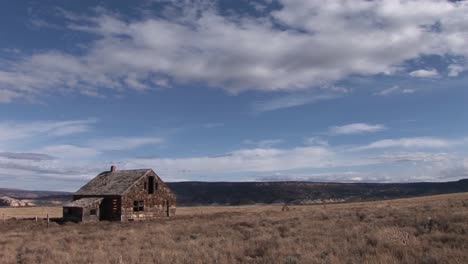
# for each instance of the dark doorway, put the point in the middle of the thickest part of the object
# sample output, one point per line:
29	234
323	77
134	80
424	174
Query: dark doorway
110	209
151	185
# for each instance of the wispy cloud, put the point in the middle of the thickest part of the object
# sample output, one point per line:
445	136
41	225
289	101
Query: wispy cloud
123	143
15	168
18	130
68	151
315	141
395	90
414	157
267	143
26	156
291	100
7	96
415	142
356	128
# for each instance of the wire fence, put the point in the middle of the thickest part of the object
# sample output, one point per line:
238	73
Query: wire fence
36	213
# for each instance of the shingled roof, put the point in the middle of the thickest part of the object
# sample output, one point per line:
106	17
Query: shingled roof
84	202
112	182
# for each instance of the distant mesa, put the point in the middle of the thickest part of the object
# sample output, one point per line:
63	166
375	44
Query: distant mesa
12	202
293	192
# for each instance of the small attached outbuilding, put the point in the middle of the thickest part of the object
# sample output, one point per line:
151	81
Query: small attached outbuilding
121	195
83	210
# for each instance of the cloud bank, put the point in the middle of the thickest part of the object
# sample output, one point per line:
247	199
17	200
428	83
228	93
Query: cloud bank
300	45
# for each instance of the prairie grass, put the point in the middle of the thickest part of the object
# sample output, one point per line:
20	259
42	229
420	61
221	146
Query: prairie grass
31	212
418	230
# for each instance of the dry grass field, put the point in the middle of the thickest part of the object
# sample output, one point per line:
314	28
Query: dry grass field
30	212
430	229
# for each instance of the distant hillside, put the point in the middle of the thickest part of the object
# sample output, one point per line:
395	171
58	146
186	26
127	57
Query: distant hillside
37	197
238	193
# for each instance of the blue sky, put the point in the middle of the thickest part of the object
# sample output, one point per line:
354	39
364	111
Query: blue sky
352	91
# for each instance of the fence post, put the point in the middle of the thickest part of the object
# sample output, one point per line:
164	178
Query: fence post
36	219
47	220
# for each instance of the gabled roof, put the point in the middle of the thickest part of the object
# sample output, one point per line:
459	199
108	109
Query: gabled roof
112	183
84	202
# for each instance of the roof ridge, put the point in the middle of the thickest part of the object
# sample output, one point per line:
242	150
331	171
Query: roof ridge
130	170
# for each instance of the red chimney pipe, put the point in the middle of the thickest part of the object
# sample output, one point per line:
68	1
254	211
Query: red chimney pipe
113	168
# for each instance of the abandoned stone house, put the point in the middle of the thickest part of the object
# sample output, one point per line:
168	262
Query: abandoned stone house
121	195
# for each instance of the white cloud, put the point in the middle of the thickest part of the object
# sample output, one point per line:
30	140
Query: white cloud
422	73
395	90
240	52
280	164
455	70
81	163
317	161
415	142
453	170
26	151
356	128
123	143
244	160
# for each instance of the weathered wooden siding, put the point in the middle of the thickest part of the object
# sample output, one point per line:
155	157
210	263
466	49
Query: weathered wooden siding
72	214
87	217
159	204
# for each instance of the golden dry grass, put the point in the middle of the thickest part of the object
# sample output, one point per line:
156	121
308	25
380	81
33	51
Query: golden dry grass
396	231
31	212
